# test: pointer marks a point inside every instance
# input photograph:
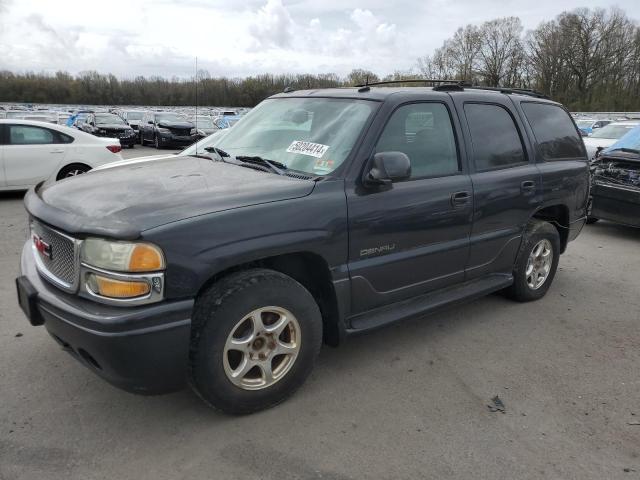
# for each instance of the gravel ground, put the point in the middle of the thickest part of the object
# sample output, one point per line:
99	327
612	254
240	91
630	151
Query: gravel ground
405	402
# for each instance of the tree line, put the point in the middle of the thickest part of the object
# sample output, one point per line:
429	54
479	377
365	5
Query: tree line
588	59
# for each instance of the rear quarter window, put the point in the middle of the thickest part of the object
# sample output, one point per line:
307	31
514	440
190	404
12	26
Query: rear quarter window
554	131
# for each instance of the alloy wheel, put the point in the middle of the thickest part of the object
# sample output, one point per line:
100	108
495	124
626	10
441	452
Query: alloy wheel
262	348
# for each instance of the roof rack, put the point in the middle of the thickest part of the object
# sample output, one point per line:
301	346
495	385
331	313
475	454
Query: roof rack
445	85
411	80
519	91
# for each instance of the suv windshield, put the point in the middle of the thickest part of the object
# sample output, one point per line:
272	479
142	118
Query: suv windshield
107	118
612	131
203	122
169	117
313	135
585	123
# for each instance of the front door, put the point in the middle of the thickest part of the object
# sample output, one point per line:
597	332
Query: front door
412	237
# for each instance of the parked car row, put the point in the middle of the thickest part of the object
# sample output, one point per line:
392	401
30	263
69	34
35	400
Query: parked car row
181	126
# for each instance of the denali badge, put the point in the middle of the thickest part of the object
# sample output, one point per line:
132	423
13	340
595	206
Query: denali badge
43	247
381	250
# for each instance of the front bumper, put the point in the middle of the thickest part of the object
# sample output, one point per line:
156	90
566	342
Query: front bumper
169	139
139	349
128	141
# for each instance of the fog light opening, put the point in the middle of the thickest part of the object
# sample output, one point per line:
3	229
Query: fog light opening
86	356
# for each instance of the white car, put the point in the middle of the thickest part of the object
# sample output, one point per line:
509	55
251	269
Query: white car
608	135
32	151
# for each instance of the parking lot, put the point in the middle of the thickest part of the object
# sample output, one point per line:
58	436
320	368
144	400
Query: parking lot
408	401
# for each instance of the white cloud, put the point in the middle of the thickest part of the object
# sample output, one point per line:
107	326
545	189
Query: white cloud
273	26
243	37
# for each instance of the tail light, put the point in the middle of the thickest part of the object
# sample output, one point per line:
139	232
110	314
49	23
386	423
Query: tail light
114	148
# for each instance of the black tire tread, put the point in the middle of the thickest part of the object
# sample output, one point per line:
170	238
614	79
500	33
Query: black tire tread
535	227
210	301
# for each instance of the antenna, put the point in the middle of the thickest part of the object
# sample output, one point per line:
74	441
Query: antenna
196	78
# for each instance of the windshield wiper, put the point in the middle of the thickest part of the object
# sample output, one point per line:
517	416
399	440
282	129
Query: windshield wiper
218	151
272	165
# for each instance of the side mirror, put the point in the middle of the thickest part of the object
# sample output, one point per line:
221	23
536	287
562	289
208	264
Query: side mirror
389	167
150	122
595	126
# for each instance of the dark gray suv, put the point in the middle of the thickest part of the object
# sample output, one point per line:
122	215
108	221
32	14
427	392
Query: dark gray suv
320	214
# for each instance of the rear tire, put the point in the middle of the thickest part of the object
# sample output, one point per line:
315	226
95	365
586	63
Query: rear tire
536	263
255	337
72	170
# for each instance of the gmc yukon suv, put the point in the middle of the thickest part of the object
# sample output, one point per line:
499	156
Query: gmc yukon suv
322	213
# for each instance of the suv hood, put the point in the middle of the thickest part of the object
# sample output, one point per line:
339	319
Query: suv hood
124	201
167	124
113	126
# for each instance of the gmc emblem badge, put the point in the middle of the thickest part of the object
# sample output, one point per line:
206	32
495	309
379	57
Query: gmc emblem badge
43	247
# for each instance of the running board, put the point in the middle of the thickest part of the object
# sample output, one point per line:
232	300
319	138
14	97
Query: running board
429	302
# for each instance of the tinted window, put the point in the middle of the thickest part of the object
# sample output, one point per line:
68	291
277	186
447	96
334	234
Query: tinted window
495	138
28	135
554	131
422	131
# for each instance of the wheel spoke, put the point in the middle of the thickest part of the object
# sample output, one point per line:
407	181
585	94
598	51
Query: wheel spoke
267	371
285	348
245	365
240	344
256	320
279	326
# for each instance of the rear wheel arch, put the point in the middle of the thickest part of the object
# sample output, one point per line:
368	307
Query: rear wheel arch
312	272
558	216
62	173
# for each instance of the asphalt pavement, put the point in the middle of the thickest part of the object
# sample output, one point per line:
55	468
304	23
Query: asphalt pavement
406	402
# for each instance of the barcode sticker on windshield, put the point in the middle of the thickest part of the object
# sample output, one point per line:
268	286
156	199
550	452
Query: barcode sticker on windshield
308	148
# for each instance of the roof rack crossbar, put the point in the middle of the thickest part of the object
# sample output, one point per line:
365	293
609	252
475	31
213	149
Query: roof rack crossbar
410	80
449	84
520	91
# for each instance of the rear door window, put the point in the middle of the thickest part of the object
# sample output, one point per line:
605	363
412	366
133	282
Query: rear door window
29	135
554	130
494	136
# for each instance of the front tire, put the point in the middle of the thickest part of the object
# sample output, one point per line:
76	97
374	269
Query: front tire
536	263
255	337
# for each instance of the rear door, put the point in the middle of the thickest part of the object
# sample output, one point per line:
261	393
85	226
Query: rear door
413	237
32	154
506	181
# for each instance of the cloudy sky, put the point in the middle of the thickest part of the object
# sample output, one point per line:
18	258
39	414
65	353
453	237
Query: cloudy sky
244	37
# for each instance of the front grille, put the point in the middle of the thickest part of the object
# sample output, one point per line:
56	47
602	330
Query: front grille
180	132
57	257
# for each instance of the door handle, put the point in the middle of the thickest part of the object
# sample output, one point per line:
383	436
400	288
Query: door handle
56	151
528	186
460	198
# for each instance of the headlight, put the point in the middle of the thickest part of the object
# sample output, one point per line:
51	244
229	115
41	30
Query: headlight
163	130
122	256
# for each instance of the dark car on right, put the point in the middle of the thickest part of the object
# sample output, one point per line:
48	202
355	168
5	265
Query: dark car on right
166	129
615	182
